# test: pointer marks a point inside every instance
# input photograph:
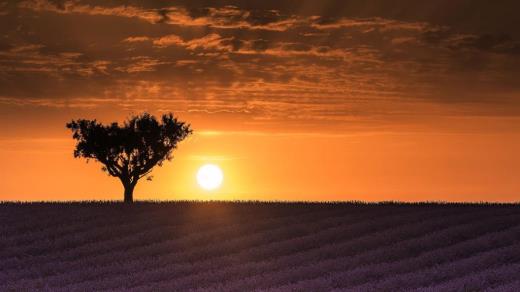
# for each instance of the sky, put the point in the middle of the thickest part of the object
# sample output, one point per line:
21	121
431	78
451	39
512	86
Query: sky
295	100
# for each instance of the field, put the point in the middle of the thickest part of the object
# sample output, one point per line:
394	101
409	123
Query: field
219	246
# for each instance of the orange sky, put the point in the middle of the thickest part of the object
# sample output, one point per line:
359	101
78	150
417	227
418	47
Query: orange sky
331	100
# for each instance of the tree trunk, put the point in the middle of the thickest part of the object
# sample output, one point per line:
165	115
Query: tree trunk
129	193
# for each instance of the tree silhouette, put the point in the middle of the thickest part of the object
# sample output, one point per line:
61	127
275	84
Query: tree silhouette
129	151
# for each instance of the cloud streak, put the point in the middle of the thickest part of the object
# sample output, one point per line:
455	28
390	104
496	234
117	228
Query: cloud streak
264	65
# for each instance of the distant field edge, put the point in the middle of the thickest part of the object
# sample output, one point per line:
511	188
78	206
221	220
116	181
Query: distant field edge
247	202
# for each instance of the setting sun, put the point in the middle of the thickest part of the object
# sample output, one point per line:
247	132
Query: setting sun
209	177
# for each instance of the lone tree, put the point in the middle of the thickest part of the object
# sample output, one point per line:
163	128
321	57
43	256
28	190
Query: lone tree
129	151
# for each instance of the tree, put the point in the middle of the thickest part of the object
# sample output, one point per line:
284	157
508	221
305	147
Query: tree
129	151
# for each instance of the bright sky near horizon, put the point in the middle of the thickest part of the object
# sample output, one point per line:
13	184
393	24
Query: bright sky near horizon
313	100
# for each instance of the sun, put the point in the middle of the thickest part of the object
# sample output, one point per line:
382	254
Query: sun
210	177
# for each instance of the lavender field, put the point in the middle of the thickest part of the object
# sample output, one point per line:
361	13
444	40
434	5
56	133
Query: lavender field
219	246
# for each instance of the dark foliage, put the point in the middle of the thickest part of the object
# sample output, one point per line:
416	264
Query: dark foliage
129	151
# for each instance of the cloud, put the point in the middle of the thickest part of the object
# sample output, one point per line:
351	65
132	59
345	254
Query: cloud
27	48
486	42
141	64
495	43
261	63
227	17
73	7
366	24
231	17
136	39
211	41
166	41
29	58
215	42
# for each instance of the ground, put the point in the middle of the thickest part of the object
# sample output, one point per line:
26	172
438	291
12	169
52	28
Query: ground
243	246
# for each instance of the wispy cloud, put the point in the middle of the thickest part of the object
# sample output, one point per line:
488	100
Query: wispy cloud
231	17
261	65
68	7
366	24
228	17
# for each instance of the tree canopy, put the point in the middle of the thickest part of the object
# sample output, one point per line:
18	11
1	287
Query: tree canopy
131	150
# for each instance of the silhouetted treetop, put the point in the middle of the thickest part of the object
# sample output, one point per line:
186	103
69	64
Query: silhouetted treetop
131	150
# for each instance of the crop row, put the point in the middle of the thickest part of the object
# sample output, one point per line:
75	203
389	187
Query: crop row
165	268
329	257
134	258
106	231
487	278
68	224
287	249
122	237
444	272
357	271
96	253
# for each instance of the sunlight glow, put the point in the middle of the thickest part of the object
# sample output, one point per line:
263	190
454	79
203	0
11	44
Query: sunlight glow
209	177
